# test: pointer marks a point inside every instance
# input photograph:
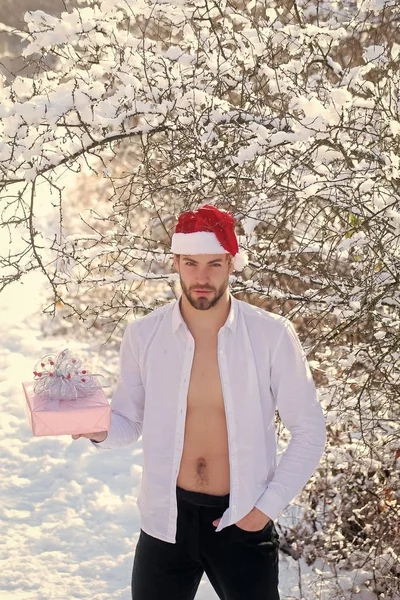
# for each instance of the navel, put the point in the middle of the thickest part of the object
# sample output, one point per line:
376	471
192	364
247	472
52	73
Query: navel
201	463
201	468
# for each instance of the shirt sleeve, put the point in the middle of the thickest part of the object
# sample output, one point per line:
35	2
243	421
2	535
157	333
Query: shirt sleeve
293	388
127	405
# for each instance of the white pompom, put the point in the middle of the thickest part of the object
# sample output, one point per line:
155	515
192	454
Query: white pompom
240	260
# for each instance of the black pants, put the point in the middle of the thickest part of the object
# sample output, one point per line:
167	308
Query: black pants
240	565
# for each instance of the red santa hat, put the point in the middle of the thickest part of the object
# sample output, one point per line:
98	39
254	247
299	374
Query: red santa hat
208	230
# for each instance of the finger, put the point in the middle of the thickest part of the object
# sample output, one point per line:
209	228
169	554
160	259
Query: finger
76	436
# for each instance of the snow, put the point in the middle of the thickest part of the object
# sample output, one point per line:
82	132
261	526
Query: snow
375	54
379	335
337	68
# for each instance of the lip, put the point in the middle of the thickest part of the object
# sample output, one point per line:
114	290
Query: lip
202	291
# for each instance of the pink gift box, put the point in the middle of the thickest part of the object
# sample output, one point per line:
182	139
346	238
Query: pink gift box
84	415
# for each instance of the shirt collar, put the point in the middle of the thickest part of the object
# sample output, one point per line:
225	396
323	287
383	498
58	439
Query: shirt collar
230	322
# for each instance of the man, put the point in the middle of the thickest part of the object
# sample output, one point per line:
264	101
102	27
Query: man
200	380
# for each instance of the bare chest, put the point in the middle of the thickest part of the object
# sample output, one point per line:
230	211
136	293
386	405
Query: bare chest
205	459
205	390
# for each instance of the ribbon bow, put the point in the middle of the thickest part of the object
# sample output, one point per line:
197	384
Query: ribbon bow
62	378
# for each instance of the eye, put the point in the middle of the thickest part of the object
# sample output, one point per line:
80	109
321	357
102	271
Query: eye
189	263
216	265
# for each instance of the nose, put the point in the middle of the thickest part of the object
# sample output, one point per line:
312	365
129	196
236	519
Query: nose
202	276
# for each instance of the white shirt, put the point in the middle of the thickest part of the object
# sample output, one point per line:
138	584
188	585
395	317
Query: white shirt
262	367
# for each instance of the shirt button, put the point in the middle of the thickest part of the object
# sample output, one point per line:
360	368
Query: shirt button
221	351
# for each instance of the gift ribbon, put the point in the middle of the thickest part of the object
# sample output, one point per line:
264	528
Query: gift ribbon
62	378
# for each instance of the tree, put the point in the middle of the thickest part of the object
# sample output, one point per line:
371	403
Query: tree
287	114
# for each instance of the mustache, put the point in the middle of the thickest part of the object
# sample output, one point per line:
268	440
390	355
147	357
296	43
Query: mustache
202	287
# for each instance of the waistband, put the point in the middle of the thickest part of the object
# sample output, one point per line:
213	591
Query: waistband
202	499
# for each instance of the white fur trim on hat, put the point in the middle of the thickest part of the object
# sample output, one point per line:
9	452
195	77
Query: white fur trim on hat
240	260
200	242
204	242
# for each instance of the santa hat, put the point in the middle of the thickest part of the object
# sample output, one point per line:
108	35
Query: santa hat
208	230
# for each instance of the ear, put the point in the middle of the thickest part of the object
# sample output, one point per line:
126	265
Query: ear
176	262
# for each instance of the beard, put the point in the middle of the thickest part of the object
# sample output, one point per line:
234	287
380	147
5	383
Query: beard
204	302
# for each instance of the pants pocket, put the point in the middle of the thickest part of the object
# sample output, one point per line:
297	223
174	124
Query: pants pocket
269	526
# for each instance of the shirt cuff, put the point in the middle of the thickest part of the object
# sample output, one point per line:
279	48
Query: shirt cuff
270	504
98	445
121	433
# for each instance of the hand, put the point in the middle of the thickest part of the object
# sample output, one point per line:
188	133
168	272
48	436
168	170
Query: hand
100	436
255	520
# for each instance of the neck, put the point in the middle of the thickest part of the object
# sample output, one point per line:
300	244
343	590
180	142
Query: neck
205	321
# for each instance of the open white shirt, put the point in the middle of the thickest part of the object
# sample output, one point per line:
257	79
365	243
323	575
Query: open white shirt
262	367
